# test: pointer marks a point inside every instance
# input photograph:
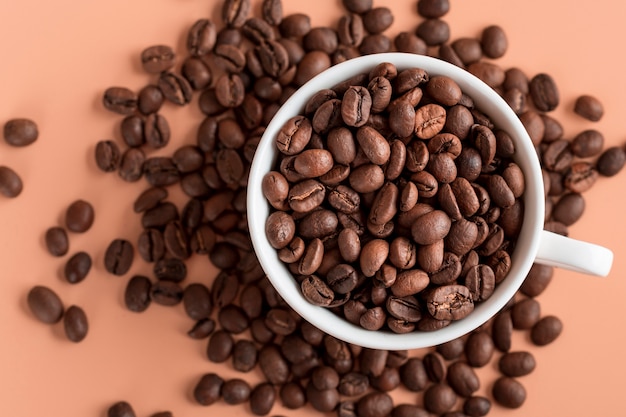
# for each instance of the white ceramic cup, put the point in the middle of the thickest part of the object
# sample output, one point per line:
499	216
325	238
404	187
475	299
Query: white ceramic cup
533	244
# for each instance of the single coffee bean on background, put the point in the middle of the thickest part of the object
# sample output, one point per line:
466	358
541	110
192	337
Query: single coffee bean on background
121	409
11	184
137	293
45	304
120	100
208	389
589	107
77	267
546	330
57	241
20	132
79	216
509	392
516	364
119	257
107	155
75	324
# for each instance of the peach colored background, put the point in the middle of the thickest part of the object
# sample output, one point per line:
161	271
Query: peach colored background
58	57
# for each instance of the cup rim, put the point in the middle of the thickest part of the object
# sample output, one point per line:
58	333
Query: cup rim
490	103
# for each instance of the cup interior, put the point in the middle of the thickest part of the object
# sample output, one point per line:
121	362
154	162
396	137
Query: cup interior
486	100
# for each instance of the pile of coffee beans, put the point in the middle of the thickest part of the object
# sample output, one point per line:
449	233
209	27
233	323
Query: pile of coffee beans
242	70
394	204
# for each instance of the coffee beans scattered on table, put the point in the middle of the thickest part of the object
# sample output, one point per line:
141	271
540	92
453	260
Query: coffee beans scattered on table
238	315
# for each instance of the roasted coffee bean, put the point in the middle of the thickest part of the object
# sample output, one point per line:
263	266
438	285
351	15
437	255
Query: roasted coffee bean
322	400
166	293
175	88
45	304
131	165
156	131
75	324
468	50
491	74
150	99
57	241
233	319
120	409
120	100
611	161
544	92
292	395
20	132
439	398
388	381
208	389
79	216
244	355
450	302
316	291
463	379
502	331
137	293
132	131
77	267
353	384
580	177
235	12
537	280
477	406
235	391
119	257
433	31
262	398
515	364
435	367
481	281
508	392
494	42
11	184
409	410
107	155
280	229
158	58
197	301
377	20
546	330
479	349
413	375
589	107
201	37
432	8
374	404
273	365
429	120
410	43
587	143
220	346
149	199
525	313
452	349
324	378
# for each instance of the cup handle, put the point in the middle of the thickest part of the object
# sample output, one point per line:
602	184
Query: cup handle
574	255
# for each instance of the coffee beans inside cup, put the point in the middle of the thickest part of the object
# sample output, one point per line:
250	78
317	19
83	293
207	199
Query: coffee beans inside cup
388	195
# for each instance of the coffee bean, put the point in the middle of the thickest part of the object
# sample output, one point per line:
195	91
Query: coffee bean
494	42
413	375
201	37
429	120
587	143
158	58
131	165
479	349
166	293
463	379
273	365
477	406
544	92
120	100
220	346
10	182
375	404
75	324
45	304
235	391
262	399
175	88
589	107
312	63
150	99
20	132
439	398
77	267
508	392
502	331
546	330
409	410
107	155
466	50
235	12
525	313
208	389
244	356
377	20
433	31
137	293
432	8
119	257
611	161
57	241
515	364
120	409
79	216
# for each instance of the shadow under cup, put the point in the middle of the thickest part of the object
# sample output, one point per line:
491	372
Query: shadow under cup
487	101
